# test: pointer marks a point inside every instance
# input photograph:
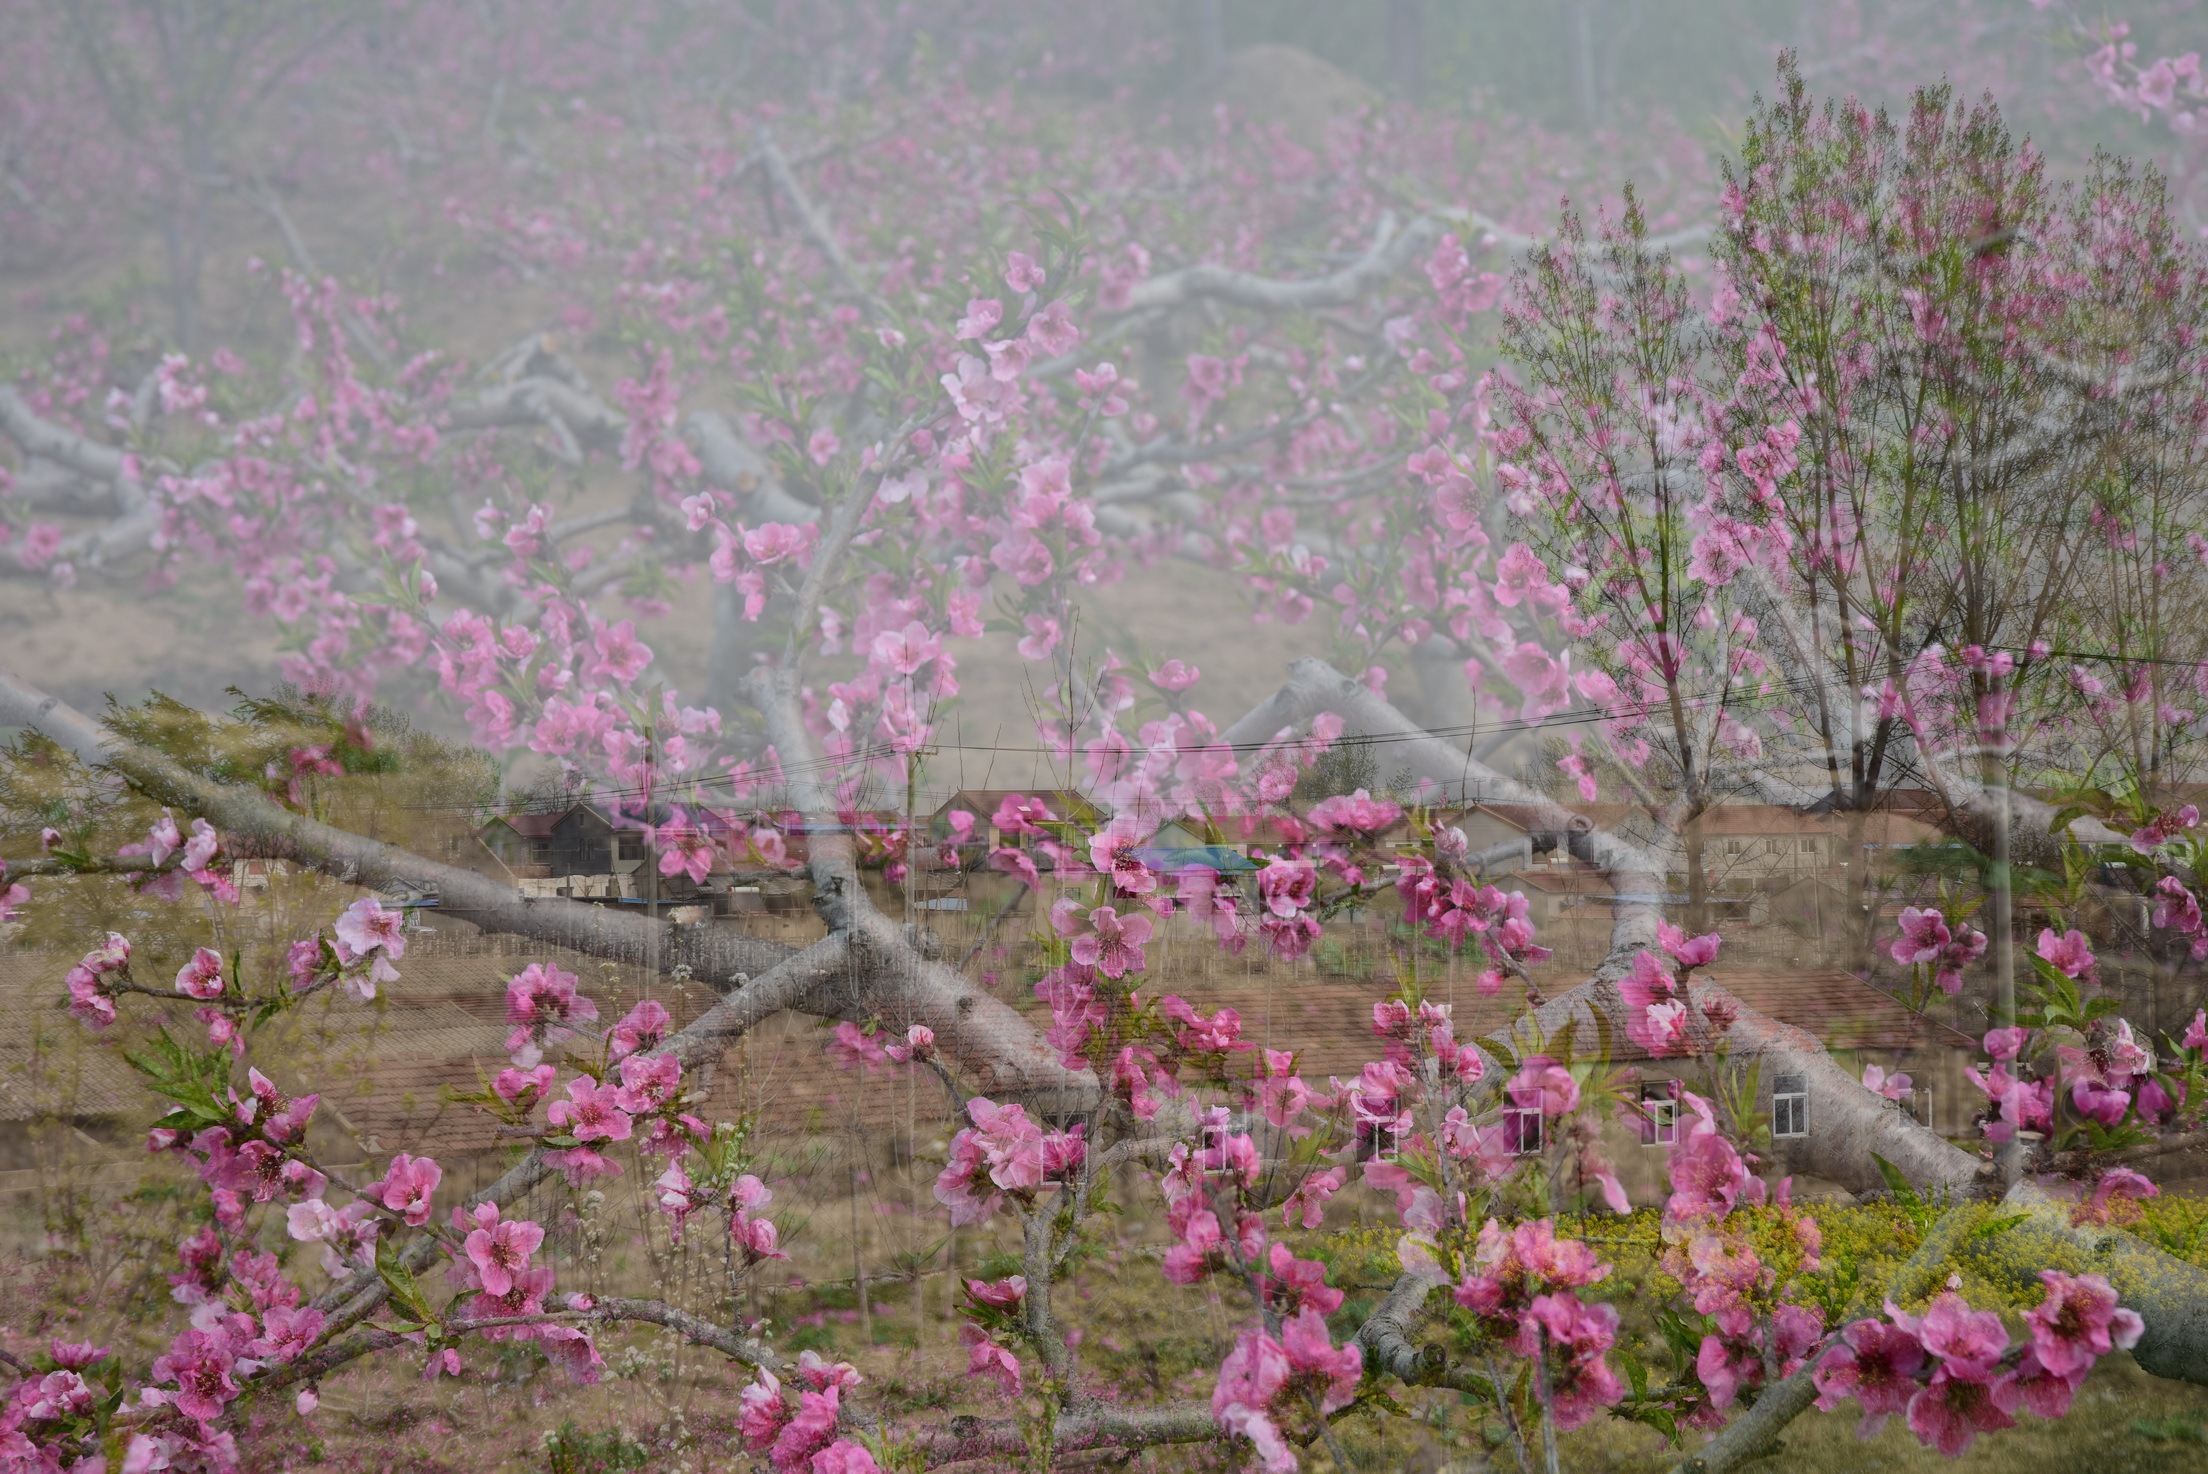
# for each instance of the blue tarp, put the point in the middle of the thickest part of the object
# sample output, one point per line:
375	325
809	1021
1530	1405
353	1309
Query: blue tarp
1173	861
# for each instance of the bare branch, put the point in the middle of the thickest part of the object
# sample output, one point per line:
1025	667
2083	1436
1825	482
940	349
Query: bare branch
1093	1426
41	437
816	224
730	462
254	825
43	484
1313	687
1391	251
364	337
103	464
890	979
580	417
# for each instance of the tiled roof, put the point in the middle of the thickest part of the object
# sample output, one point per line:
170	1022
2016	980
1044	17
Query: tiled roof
1539	820
1838	1007
983	802
528	826
1889	828
1747	819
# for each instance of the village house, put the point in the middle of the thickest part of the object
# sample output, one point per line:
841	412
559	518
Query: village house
1328	1022
581	853
983	804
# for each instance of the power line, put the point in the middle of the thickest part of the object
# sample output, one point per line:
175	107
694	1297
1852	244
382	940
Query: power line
2099	655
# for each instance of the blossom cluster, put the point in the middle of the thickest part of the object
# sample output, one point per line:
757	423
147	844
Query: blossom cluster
1953	1372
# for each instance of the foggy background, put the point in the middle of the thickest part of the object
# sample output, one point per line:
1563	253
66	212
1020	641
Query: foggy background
154	152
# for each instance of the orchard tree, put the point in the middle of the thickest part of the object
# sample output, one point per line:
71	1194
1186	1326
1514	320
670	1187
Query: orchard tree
1808	528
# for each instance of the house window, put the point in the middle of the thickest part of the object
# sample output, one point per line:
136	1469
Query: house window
1789	1106
540	851
1919	1105
1379	1141
1659	1115
1522	1129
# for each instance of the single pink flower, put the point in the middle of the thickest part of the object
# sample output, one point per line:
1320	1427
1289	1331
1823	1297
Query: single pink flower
1544	1085
591	1112
1953	1410
1313	1356
1878	1082
845	1457
1288	886
812	1430
648	1082
1876	1364
1112	943
368	924
2070	953
1112	853
919	1045
1001	1294
1969	1343
640	1028
1174	676
985	1358
200	1363
2079	1322
1688	952
1019	814
523	1088
202	976
761	1414
1923	933
502	1249
407	1186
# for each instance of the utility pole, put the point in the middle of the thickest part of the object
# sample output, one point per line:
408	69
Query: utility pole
1211	37
651	851
912	850
1996	773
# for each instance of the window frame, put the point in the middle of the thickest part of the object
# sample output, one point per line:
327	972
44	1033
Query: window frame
1789	1107
1379	1141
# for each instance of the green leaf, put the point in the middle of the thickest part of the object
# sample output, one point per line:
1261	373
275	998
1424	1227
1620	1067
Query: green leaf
1897	1184
406	1290
1635	1372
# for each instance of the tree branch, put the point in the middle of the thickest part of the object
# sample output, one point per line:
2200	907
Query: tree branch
1391	251
730	462
816	224
254	825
